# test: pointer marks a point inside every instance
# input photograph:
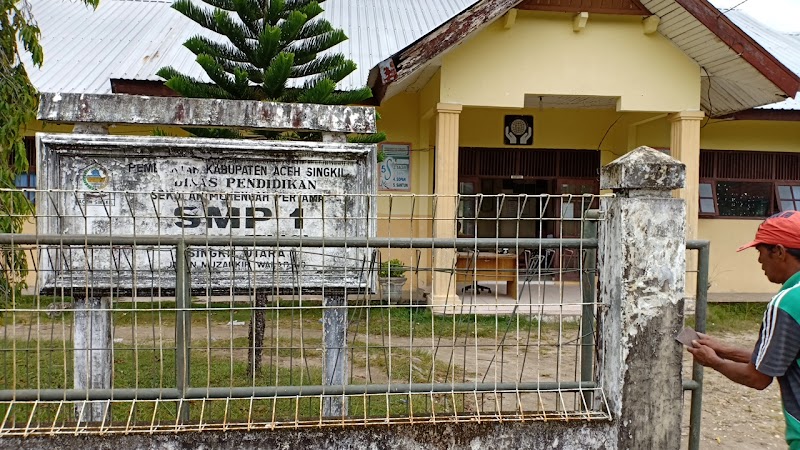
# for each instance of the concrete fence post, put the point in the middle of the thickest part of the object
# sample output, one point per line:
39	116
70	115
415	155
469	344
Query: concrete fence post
92	355
642	268
92	336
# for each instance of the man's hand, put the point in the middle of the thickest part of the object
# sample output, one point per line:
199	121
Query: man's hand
719	347
742	372
705	355
724	350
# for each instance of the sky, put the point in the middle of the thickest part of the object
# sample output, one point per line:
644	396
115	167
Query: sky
781	15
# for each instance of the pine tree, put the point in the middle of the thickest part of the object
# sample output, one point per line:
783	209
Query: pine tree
271	51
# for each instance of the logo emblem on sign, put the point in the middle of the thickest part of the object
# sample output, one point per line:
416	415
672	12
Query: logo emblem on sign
96	178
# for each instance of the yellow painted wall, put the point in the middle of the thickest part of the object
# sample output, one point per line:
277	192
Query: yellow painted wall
716	134
132	130
761	135
400	120
553	129
430	94
731	271
542	55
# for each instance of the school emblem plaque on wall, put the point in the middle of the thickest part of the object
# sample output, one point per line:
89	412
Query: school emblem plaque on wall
96	177
518	130
95	181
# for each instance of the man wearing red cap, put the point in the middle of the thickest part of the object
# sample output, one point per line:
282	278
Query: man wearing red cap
777	352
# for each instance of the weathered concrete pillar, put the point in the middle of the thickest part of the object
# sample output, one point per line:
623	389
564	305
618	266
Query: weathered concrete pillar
642	279
443	286
92	335
92	360
334	366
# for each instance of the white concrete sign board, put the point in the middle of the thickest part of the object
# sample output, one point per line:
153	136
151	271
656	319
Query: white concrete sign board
145	186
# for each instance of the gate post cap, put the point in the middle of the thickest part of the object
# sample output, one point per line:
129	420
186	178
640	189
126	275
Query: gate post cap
644	169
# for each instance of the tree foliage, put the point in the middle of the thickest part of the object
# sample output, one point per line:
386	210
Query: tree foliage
269	50
18	104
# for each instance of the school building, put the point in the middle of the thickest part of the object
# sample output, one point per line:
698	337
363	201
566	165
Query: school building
521	97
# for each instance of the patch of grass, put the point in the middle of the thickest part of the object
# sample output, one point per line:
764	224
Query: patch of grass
732	317
421	323
164	312
418	322
43	364
19	311
30	309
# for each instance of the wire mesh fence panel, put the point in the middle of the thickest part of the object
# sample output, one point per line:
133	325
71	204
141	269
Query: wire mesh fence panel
134	321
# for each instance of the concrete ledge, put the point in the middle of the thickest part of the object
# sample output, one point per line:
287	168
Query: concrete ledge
201	112
553	434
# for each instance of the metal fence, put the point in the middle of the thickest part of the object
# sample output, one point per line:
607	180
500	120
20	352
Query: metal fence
137	324
695	385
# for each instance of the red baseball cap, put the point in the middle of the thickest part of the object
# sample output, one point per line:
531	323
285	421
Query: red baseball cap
782	228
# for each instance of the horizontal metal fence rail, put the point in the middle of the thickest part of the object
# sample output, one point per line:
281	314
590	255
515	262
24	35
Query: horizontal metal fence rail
269	241
286	391
104	354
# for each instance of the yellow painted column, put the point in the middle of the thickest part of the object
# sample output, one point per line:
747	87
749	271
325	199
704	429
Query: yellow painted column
685	147
443	286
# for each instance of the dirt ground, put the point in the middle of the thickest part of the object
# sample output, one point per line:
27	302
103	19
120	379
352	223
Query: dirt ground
736	417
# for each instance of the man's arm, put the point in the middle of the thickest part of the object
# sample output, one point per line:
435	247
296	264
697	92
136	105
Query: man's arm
744	373
726	351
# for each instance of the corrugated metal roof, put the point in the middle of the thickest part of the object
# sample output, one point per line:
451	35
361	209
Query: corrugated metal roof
730	83
130	39
785	47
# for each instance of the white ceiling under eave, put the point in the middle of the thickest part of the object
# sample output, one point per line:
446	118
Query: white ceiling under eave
729	82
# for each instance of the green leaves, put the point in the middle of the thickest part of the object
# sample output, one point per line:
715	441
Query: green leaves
315	28
318	92
276	75
250	15
268	44
19	100
191	87
275	50
276	11
200	15
367	139
29	35
318	44
201	44
291	26
320	64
